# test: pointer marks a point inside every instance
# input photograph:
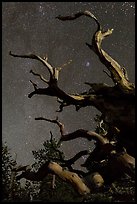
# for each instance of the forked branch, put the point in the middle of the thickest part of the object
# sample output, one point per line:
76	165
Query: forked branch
33	56
90	135
52	89
118	73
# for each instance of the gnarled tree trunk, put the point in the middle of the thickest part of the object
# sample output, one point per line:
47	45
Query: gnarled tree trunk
116	104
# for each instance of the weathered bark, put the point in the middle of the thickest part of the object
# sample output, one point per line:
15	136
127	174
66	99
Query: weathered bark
117	166
55	169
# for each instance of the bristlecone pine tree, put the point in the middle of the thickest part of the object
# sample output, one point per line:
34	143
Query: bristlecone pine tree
113	155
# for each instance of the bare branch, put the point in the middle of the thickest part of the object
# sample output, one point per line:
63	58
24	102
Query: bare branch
40	76
53	89
68	163
77	15
81	133
71	161
33	56
117	72
90	135
56	169
56	121
34	85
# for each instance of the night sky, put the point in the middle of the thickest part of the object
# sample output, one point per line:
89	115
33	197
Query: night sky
31	27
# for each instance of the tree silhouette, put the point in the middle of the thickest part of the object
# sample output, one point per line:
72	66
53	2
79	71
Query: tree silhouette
12	190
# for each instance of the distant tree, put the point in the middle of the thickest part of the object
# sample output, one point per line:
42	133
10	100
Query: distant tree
51	188
51	150
12	189
9	186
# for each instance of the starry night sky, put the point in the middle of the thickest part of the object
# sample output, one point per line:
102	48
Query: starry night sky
31	27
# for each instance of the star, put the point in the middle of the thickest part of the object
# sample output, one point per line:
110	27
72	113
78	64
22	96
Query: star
87	64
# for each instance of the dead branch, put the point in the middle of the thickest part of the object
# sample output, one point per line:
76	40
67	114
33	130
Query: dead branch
90	135
43	60
56	121
118	74
40	76
52	89
77	15
69	162
56	169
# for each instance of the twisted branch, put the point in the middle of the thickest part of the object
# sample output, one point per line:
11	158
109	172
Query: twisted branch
118	73
90	135
56	169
